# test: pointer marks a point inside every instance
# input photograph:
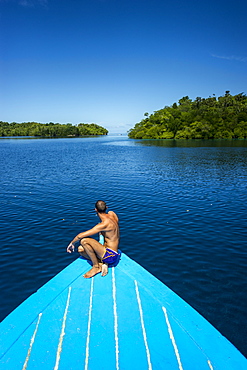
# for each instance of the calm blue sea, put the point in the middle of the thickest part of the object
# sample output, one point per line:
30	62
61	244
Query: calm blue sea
181	204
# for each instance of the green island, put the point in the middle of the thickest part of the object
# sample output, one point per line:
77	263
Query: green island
50	129
224	117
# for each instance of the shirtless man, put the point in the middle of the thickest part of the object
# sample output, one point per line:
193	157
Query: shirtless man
99	254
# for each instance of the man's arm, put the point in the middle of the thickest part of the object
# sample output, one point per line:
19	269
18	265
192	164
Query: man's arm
95	230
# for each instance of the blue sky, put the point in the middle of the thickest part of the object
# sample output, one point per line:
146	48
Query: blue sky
110	61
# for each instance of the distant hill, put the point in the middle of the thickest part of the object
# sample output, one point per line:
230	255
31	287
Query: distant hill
224	117
50	129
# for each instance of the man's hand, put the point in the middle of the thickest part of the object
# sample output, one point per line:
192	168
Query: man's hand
70	248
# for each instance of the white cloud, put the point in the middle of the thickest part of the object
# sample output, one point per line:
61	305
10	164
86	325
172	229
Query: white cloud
232	57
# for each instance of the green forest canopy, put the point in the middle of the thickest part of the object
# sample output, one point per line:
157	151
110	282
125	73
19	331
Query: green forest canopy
50	129
224	117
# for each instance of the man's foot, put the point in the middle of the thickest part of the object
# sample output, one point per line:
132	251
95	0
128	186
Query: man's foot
94	271
104	269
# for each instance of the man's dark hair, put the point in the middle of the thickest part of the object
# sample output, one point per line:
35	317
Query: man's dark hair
100	205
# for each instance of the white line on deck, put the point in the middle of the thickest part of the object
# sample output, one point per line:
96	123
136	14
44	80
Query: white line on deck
115	317
210	365
143	327
89	324
31	343
62	334
173	339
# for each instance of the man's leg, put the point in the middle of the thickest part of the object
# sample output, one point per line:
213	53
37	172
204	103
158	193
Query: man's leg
104	266
82	252
93	250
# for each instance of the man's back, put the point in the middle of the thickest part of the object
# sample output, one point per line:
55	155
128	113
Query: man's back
111	232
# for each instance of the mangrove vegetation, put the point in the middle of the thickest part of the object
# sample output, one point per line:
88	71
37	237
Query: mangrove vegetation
50	129
224	117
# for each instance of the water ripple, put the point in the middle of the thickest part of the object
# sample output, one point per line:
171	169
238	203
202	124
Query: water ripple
182	211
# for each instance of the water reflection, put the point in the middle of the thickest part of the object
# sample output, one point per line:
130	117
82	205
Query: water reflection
183	143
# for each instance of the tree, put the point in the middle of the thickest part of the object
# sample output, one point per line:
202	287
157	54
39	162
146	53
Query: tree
50	129
212	117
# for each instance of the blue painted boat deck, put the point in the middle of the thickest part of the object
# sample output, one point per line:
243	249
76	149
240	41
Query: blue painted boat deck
126	320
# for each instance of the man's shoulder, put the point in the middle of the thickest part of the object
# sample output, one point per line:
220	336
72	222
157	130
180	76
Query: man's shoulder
113	215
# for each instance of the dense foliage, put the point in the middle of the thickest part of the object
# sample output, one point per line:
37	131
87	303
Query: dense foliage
50	129
211	118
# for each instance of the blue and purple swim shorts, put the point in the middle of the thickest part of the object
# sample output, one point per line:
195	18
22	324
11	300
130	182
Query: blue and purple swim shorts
110	256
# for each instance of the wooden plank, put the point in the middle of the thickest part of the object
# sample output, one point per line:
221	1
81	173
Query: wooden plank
46	343
74	343
12	327
102	342
18	355
132	351
161	349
